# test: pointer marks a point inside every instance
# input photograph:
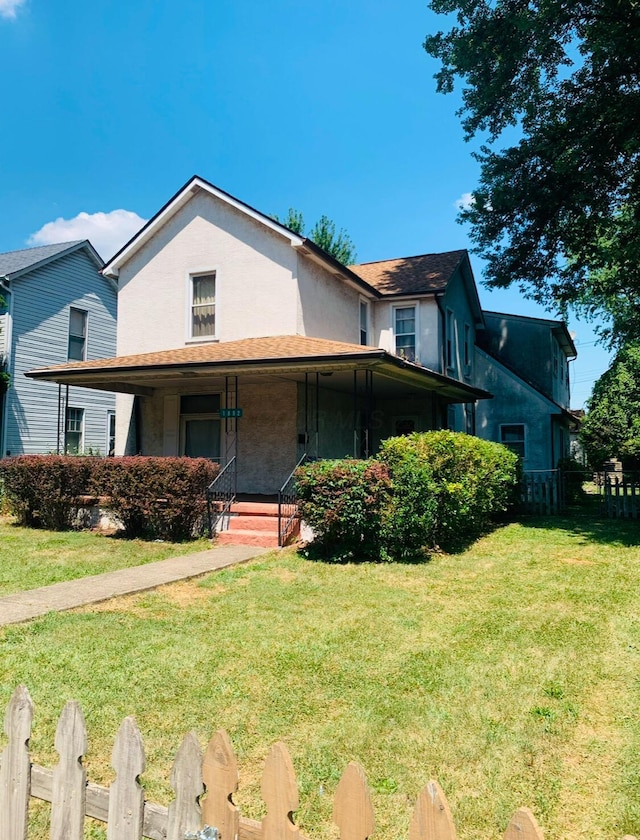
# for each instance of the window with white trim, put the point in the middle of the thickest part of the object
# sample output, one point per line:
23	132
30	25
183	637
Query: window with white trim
449	346
364	322
203	306
111	433
512	436
405	332
74	426
467	347
77	335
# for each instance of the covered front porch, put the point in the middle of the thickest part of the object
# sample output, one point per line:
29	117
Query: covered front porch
266	402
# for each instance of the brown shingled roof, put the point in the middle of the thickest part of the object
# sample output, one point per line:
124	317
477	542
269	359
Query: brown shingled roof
410	275
247	349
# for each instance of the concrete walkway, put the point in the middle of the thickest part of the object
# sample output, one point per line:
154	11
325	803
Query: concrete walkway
89	590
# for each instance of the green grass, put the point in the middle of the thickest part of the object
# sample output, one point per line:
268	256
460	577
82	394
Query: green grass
510	673
32	557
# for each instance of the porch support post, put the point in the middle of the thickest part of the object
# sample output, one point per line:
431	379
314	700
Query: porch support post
356	453
368	412
306	411
66	406
59	417
317	415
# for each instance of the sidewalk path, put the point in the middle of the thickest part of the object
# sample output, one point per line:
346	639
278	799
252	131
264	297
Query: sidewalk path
22	606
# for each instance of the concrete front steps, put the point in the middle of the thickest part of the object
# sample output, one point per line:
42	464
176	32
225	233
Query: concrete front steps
251	523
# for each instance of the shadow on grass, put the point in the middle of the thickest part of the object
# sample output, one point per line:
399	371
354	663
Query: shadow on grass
590	521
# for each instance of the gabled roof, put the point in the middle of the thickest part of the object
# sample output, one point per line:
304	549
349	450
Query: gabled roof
15	263
411	275
195	185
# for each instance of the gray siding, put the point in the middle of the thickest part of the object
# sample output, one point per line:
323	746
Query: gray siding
40	334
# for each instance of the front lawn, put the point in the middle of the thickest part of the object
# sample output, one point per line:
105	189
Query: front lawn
32	557
509	673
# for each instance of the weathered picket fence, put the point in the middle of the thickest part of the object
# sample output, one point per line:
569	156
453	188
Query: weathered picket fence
621	494
128	816
541	492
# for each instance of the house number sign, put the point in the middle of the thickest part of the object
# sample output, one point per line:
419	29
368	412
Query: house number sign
230	412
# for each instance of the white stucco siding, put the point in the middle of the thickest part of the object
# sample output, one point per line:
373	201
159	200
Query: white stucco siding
328	307
514	402
428	329
256	292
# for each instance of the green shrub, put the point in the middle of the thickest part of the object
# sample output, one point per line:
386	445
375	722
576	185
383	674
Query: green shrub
470	478
156	498
411	515
45	489
344	502
574	475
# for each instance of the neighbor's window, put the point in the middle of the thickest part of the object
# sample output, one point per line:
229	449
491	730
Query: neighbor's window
405	332
111	433
512	436
73	431
203	306
364	321
77	335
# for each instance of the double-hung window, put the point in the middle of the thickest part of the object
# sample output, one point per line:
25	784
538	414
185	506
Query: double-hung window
77	335
512	436
203	306
405	332
449	340
73	443
364	322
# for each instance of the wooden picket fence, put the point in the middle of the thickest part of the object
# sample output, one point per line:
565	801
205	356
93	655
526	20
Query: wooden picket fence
541	492
621	495
191	814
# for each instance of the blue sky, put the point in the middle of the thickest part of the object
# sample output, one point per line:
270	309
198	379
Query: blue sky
328	107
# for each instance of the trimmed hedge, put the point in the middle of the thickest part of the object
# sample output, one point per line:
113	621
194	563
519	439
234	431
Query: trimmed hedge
426	491
45	489
344	502
155	498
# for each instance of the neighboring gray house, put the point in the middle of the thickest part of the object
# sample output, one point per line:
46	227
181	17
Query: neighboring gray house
524	363
57	307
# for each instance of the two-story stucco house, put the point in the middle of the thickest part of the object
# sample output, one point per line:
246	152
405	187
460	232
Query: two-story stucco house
238	338
57	307
524	362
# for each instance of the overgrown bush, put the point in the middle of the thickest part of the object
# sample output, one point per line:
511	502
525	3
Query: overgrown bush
155	498
344	502
45	489
411	516
472	479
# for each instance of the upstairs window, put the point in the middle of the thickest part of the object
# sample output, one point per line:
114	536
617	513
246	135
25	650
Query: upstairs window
77	335
449	350
364	322
467	347
203	306
405	332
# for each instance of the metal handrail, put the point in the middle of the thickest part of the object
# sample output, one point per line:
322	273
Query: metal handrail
288	505
222	492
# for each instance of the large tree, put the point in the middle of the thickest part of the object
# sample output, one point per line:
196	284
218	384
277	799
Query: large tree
337	244
558	210
611	428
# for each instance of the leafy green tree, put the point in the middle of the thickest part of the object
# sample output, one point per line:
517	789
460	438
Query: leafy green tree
558	211
611	428
337	244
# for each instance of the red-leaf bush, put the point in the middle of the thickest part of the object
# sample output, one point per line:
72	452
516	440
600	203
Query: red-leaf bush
344	501
156	498
46	489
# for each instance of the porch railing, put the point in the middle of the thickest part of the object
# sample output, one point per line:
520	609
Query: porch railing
221	494
288	505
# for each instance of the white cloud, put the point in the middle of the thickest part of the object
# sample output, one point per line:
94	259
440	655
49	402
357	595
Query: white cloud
465	201
8	8
107	232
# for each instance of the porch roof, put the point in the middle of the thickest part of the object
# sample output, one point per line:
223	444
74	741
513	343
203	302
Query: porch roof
292	354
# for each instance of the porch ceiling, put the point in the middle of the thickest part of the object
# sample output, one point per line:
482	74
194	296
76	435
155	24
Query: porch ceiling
254	360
